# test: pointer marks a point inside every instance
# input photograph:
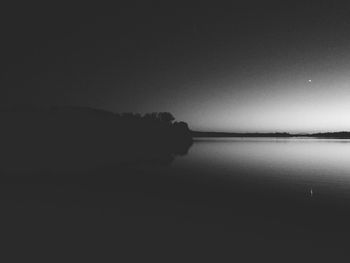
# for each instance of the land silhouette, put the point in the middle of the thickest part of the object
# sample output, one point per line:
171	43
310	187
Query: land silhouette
74	138
325	135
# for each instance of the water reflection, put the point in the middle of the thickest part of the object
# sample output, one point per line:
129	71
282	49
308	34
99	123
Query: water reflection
320	163
228	197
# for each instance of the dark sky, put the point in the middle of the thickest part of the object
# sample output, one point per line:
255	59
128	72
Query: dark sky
238	65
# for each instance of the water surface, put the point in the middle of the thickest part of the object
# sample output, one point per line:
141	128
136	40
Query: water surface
309	167
227	200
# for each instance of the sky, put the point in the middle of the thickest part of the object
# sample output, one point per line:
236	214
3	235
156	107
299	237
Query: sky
247	66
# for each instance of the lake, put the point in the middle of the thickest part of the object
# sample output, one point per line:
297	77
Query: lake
288	199
228	199
304	167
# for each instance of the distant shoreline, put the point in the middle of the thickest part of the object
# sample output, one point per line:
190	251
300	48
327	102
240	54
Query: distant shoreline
324	135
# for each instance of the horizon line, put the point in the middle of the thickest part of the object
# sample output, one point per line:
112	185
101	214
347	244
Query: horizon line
274	132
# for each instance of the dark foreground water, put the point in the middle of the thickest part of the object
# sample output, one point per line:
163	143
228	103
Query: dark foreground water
227	200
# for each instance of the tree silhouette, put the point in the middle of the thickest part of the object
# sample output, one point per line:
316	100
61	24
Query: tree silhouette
89	135
166	117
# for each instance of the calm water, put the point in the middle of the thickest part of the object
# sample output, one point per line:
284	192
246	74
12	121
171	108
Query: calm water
303	167
283	200
227	200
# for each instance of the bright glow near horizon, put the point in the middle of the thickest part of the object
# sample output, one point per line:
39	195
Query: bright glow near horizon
291	106
291	91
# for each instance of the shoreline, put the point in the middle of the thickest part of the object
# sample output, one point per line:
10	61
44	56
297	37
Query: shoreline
326	135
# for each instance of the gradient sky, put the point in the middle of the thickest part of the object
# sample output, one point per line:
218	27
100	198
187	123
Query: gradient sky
232	66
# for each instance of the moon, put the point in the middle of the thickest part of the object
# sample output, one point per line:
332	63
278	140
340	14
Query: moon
309	80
